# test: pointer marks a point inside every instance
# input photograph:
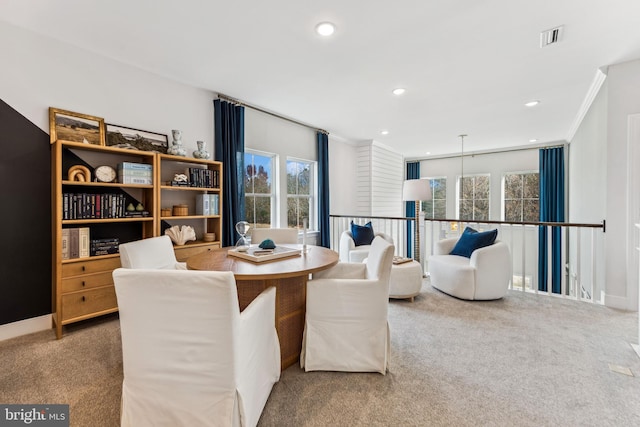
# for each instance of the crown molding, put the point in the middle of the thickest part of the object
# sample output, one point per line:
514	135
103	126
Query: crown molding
596	84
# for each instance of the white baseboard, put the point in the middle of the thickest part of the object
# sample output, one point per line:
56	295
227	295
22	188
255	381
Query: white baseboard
24	327
621	303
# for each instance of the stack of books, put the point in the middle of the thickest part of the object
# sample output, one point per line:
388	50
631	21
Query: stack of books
104	246
135	173
75	243
208	204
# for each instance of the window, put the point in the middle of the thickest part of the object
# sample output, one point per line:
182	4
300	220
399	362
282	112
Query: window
300	191
436	208
259	201
521	197
473	197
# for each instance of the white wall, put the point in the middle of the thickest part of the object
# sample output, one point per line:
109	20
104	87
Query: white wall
342	177
38	73
495	164
622	194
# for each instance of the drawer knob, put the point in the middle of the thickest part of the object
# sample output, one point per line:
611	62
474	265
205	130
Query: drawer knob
83	283
83	299
83	268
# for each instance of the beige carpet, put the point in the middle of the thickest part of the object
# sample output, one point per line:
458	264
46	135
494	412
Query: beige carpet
521	361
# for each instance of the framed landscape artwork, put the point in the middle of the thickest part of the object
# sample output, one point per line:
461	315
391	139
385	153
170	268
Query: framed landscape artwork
75	127
136	139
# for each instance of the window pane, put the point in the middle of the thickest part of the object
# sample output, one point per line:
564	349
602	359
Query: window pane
257	174
481	187
512	186
513	210
531	210
531	186
466	188
466	209
258	211
298	177
440	209
481	210
439	188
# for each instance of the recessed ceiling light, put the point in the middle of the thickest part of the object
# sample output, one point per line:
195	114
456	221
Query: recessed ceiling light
427	153
533	140
532	103
385	132
325	28
399	91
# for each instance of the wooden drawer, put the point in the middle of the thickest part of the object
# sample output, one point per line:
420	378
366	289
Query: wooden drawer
79	304
87	265
184	252
87	281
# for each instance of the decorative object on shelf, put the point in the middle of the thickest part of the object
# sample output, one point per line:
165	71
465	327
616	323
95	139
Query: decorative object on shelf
176	145
242	227
209	237
180	210
139	207
267	244
105	174
136	139
180	180
165	212
75	127
131	208
180	234
79	173
201	153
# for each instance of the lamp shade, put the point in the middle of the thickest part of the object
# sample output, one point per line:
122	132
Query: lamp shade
416	189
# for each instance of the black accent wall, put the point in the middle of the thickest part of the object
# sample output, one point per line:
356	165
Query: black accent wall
25	220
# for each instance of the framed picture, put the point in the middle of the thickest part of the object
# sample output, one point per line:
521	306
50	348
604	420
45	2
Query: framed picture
136	139
75	127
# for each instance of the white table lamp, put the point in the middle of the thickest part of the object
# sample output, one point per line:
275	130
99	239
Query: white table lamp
416	190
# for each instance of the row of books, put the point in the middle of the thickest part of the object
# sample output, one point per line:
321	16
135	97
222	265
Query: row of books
208	204
77	243
93	206
204	178
135	173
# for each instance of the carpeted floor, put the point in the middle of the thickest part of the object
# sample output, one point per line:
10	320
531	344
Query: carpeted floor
525	360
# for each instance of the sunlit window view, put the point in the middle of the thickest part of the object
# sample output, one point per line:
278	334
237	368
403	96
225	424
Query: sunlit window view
299	193
473	197
521	197
258	189
436	208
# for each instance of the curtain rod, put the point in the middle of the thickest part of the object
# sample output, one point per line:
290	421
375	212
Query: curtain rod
480	153
253	107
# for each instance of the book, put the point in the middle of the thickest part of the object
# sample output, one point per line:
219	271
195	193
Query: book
65	243
135	180
135	166
74	243
214	204
400	259
203	204
256	254
83	242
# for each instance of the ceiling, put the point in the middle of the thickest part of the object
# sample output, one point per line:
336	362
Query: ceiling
468	66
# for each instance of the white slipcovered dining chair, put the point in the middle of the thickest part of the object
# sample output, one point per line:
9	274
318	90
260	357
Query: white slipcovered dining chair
154	252
278	235
190	357
349	252
346	325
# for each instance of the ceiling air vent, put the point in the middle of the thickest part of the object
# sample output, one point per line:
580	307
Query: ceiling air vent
551	36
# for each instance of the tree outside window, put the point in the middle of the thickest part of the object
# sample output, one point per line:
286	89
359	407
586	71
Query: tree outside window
473	198
258	188
299	193
436	208
521	197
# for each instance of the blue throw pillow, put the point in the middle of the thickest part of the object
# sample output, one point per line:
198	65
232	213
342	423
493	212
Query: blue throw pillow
362	234
472	240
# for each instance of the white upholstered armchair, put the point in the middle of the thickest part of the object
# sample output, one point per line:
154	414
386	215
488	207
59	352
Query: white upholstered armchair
190	357
346	318
483	276
349	252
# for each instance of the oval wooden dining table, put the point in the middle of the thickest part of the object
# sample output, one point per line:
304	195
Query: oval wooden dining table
288	275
